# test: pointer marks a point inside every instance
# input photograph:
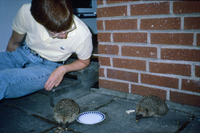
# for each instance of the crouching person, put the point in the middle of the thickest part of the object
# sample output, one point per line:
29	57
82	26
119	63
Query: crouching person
51	33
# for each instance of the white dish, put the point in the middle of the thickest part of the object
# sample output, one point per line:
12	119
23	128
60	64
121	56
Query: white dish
90	117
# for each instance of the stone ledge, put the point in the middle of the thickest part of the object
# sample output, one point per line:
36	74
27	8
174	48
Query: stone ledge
82	79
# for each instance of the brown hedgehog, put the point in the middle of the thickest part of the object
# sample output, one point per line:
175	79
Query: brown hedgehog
151	106
65	112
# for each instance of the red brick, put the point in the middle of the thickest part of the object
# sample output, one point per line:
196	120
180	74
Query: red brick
118	1
198	39
122	24
130	37
150	8
122	75
180	54
104	61
101	72
172	38
100	25
108	49
99	2
186	7
183	98
159	80
166	68
197	71
149	52
160	24
103	37
112	11
118	86
146	91
191	85
129	64
192	23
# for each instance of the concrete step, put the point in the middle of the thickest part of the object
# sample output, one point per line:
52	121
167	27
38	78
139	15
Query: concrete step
82	79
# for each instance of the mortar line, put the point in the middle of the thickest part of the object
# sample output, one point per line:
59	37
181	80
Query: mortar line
182	23
171	7
195	40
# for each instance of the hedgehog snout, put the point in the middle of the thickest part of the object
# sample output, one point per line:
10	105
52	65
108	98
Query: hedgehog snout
138	116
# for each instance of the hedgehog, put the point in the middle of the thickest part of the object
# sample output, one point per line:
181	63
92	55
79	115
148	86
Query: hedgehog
65	112
151	106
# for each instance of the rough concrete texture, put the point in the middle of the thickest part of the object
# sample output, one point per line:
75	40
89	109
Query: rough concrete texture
33	113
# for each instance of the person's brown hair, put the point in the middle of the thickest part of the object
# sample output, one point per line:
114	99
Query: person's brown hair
55	15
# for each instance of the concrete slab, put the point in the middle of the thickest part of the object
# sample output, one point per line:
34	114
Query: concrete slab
33	113
36	104
194	125
93	101
39	104
72	92
13	120
118	121
174	106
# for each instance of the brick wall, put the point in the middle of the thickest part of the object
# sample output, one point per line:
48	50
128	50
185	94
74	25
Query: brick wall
148	47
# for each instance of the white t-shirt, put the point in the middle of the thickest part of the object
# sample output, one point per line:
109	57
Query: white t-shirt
78	41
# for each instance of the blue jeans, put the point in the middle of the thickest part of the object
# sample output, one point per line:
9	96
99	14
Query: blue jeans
23	72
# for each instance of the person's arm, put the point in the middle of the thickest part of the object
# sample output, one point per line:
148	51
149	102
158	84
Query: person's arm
15	41
57	75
